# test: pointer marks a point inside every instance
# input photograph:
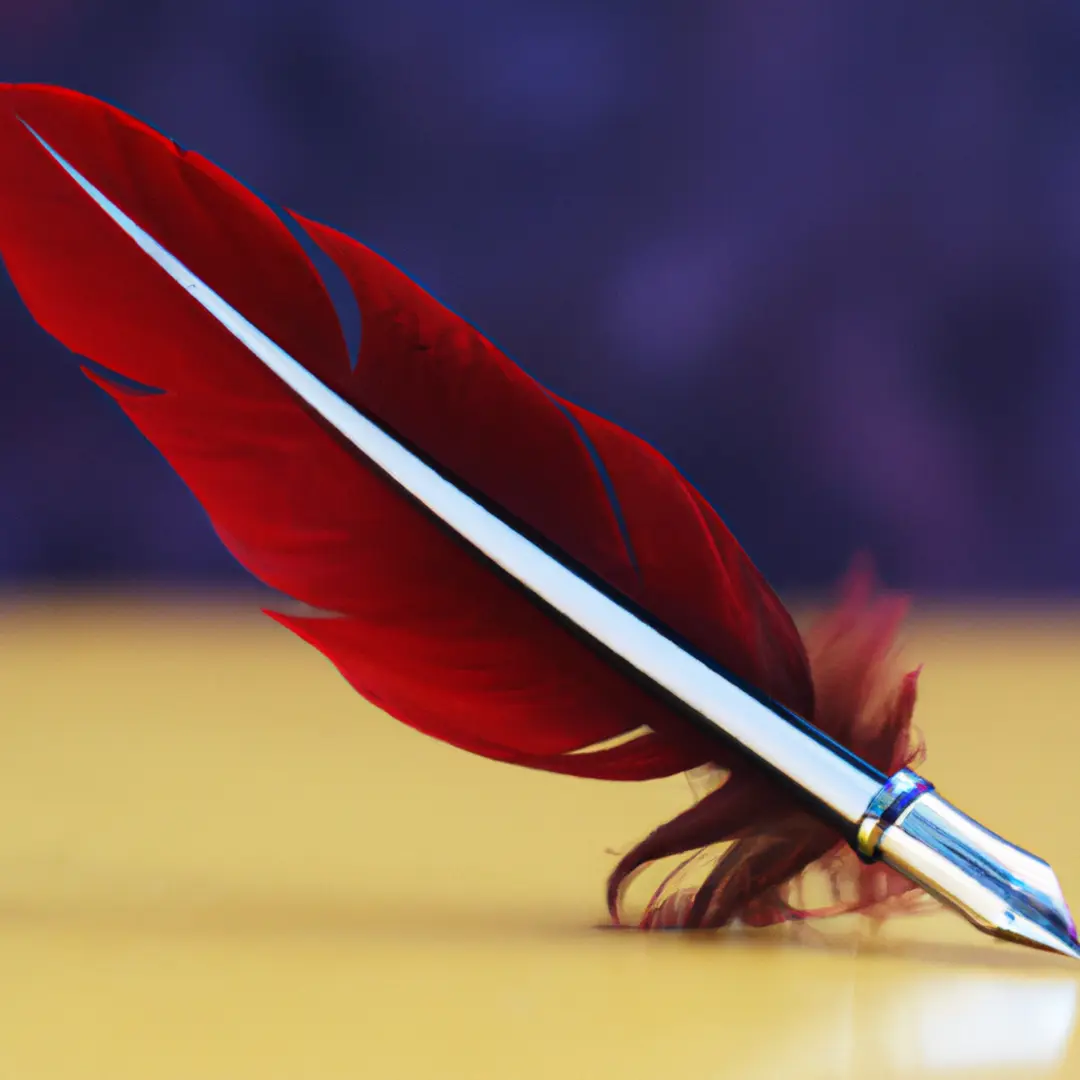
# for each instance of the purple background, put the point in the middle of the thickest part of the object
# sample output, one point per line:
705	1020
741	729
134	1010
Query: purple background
825	256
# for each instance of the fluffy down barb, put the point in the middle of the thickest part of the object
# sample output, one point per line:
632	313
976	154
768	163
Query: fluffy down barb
757	879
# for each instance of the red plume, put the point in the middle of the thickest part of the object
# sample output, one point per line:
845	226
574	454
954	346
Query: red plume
424	630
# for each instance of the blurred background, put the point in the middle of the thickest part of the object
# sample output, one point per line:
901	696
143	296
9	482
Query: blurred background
825	256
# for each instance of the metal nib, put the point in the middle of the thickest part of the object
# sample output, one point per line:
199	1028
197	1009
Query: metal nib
1002	889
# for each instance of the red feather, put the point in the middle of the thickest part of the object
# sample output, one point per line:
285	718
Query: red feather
425	631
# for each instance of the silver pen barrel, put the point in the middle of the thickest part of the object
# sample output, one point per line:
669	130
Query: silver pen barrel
1000	888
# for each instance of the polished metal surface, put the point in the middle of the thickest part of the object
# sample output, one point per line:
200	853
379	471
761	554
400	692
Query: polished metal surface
897	794
999	887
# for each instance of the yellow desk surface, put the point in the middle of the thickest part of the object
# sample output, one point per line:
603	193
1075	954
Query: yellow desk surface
217	863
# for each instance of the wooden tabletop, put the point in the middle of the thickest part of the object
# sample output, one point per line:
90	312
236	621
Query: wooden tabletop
216	863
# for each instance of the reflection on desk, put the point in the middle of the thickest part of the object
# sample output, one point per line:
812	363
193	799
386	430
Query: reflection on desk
954	1023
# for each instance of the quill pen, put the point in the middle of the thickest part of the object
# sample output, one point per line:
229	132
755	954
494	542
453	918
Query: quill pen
511	573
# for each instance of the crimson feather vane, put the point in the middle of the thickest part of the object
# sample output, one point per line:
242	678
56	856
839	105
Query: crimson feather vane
423	629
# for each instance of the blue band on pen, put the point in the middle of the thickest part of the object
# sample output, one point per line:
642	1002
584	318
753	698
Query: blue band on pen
885	808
